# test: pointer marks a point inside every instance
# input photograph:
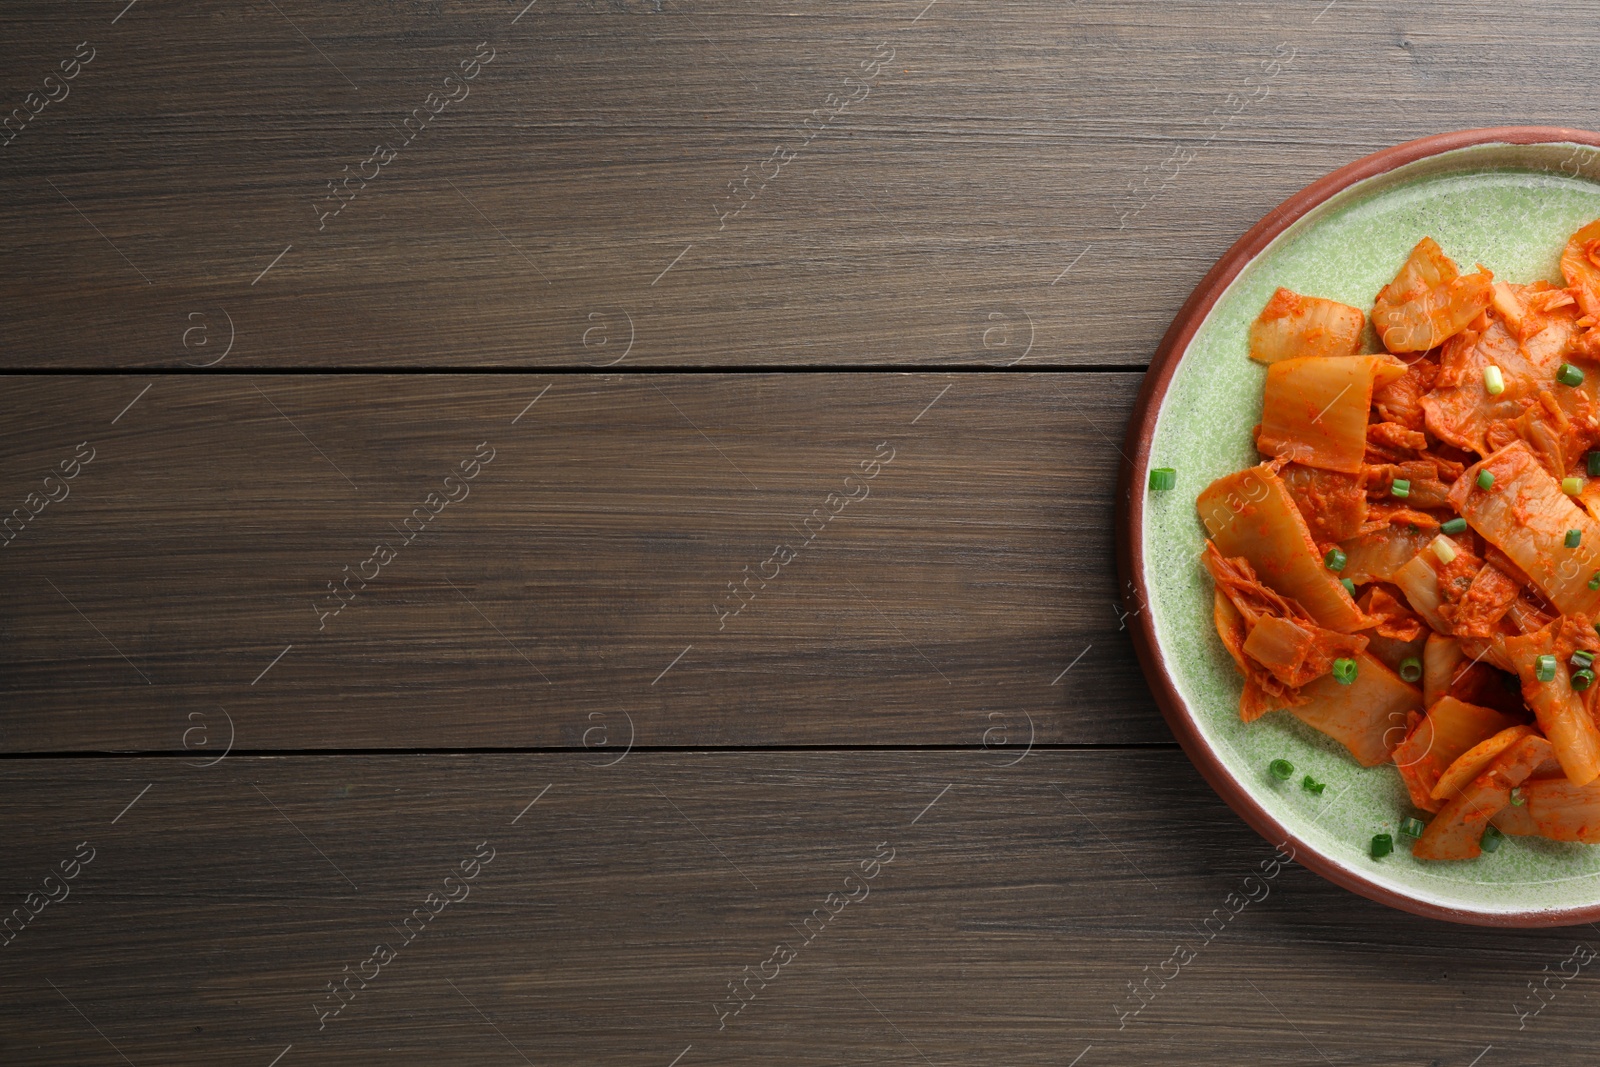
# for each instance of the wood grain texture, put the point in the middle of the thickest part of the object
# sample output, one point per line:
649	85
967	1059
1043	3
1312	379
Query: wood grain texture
1023	185
936	600
1019	903
533	223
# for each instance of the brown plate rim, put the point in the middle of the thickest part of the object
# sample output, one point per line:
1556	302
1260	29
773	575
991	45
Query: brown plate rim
1130	511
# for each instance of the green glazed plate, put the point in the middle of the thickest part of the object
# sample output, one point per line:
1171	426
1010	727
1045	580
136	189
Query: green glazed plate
1485	199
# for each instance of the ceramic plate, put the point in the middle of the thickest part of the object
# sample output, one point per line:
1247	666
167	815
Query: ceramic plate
1506	198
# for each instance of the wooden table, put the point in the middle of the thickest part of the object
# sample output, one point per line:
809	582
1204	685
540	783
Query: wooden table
629	533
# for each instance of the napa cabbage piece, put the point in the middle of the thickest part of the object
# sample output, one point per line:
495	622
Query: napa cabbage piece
1477	611
1427	490
1589	499
1483	678
1429	301
1397	633
1292	325
1368	716
1333	503
1400	402
1487	650
1461	410
1455	832
1281	646
1526	515
1256	699
1558	426
1250	514
1268	632
1514	819
1562	811
1530	310
1314	408
1580	265
1295	651
1419	581
1474	760
1452	728
1441	660
1394	619
1377	556
1560	711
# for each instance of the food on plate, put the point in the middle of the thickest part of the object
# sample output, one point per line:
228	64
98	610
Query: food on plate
1293	325
1414	567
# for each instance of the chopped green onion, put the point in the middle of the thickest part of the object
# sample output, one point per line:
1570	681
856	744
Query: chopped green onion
1163	478
1569	375
1485	479
1400	487
1349	586
1594	582
1454	526
1574	538
1517	799
1335	559
1281	769
1490	842
1582	658
1572	486
1544	668
1411	527
1382	845
1411	668
1344	671
1412	827
1311	785
1493	383
1593	460
1583	679
1444	549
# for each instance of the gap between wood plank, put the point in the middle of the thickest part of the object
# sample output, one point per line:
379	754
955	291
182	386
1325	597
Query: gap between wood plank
1066	746
817	368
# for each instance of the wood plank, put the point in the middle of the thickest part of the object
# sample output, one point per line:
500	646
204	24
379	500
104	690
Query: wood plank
1019	904
534	222
579	592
